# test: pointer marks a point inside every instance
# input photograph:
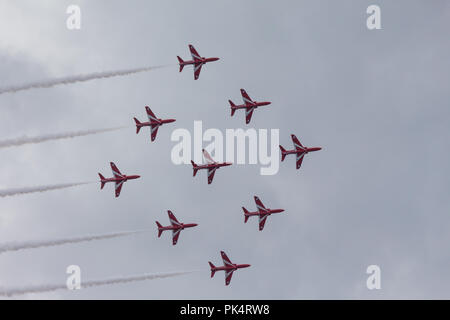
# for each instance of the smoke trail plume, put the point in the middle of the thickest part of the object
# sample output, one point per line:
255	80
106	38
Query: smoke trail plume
65	135
87	284
17	191
73	79
16	246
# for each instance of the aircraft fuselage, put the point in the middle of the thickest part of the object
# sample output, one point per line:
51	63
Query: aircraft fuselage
265	212
256	104
124	178
158	122
233	267
182	226
203	60
213	165
307	150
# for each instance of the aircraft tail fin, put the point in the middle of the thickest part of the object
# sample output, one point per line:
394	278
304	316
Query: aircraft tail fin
283	153
233	107
160	231
246	215
138	125
102	183
195	167
181	63
213	268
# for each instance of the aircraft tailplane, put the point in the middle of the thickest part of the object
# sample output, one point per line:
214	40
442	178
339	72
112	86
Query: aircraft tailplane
233	107
181	63
195	167
102	183
138	125
160	231
246	215
213	268
283	153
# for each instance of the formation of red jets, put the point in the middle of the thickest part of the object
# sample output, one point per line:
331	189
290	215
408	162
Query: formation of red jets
210	166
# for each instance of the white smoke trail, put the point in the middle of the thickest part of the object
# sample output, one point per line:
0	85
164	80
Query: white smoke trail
87	284
76	78
17	191
16	246
65	135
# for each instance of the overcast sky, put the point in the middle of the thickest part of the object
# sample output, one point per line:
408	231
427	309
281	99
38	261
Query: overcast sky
376	101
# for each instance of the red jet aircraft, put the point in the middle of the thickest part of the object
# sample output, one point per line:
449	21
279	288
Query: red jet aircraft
153	123
197	61
211	165
299	150
228	267
249	105
175	226
118	178
262	213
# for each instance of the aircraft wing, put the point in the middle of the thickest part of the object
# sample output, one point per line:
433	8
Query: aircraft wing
226	260
154	131
151	116
245	97
259	205
194	53
172	218
175	235
262	221
197	70
118	186
211	172
297	143
300	157
207	157
248	114
228	275
115	171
